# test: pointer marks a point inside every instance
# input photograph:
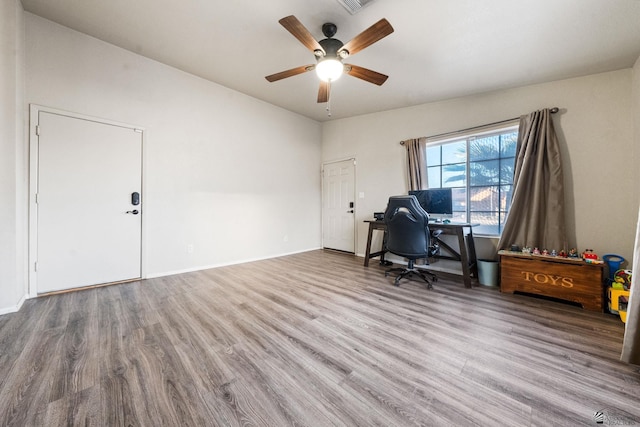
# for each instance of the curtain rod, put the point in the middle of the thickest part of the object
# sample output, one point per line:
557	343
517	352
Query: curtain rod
551	110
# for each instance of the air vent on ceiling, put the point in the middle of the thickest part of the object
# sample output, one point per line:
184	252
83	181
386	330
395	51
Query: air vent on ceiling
354	6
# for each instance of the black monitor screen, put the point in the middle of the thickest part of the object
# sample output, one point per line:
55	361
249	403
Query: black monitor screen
436	201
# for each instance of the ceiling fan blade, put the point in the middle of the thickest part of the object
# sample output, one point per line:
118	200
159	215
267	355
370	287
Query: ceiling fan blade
299	31
323	92
377	31
289	73
365	74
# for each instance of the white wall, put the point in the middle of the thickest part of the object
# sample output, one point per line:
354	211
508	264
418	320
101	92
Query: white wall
594	126
237	178
12	157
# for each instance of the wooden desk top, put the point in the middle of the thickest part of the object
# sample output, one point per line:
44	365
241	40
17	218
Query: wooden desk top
452	224
434	224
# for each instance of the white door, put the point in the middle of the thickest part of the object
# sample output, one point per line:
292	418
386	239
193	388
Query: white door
88	226
338	205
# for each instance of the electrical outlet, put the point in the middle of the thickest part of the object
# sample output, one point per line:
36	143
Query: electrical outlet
285	238
190	248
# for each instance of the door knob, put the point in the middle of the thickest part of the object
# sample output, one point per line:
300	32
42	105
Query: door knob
351	211
134	212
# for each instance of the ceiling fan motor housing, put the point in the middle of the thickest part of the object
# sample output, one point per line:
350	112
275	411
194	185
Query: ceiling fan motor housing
331	47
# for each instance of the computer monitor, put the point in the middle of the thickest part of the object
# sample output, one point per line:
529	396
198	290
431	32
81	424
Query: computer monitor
438	202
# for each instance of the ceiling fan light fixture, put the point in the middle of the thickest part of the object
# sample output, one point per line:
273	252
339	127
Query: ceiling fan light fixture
330	52
329	69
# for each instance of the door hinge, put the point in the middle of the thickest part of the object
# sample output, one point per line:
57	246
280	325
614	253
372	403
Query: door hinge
38	130
35	266
36	198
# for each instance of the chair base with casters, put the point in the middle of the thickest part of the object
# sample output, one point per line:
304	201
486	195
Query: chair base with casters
409	271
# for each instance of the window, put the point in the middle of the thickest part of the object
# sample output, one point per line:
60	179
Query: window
478	167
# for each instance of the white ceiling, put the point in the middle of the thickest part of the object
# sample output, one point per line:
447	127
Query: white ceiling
440	49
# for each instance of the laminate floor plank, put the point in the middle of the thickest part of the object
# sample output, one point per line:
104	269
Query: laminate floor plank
74	409
118	402
13	338
158	378
26	389
303	405
77	356
299	343
308	348
196	347
124	307
253	398
541	392
394	404
311	339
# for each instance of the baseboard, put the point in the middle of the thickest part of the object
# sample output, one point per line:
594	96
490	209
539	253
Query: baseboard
15	308
207	267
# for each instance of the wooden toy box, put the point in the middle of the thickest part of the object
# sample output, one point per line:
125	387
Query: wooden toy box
563	278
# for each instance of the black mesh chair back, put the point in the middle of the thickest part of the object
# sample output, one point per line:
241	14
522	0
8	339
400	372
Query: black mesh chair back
408	235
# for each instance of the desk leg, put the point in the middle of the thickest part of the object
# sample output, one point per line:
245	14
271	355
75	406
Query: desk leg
383	249
367	254
473	260
464	258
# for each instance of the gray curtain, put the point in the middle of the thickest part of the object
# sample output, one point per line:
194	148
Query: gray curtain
631	344
536	217
416	163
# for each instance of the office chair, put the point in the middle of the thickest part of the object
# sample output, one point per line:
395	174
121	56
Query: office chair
408	236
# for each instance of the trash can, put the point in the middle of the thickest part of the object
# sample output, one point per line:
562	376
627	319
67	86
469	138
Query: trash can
488	272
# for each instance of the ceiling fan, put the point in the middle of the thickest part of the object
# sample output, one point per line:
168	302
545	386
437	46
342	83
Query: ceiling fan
330	52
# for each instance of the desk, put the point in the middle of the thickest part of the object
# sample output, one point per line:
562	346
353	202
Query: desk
466	253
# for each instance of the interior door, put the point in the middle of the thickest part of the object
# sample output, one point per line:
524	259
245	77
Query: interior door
338	206
89	209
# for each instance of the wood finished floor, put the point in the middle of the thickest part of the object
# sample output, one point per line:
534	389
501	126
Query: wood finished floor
311	339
